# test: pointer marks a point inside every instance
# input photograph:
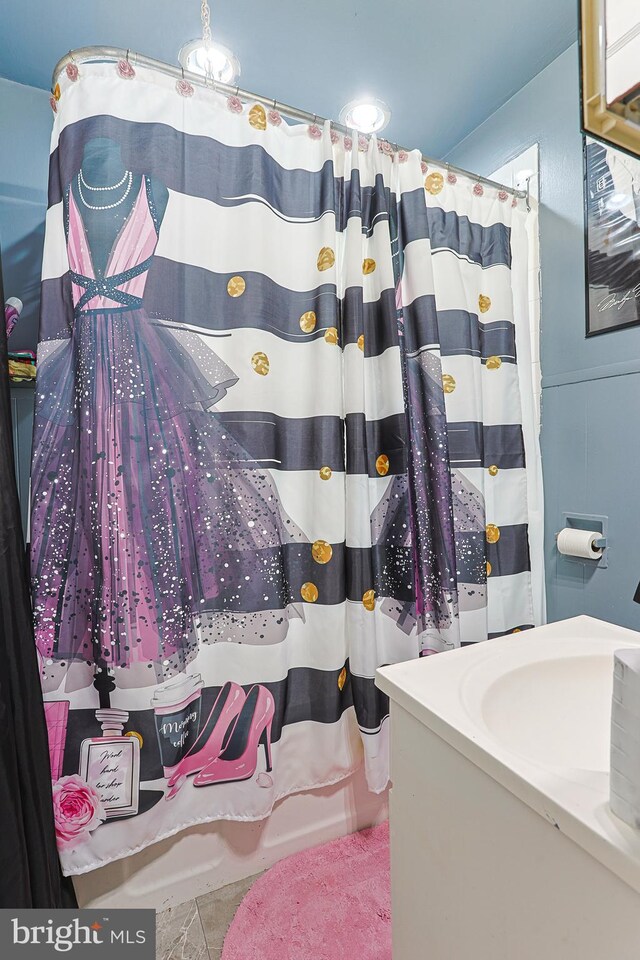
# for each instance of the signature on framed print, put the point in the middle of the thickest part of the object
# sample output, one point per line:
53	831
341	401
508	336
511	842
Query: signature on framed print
612	237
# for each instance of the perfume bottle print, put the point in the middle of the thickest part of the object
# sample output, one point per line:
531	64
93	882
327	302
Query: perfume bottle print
111	764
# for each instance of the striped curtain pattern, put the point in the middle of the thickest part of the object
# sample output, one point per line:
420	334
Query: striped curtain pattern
283	437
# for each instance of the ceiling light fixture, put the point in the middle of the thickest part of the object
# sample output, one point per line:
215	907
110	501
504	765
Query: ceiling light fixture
210	60
367	115
203	56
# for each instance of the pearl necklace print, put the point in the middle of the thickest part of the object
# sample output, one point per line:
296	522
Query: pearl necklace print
105	206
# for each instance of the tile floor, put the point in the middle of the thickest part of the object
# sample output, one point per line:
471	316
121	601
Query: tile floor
196	930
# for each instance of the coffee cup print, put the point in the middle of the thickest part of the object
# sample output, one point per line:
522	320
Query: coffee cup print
176	706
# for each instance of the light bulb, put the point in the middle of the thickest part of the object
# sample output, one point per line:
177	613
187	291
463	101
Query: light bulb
366	115
213	60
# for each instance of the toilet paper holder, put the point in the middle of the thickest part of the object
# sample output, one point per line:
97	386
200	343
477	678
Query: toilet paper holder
588	521
601	542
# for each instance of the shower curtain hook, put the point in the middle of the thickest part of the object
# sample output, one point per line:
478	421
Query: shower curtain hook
127	57
528	197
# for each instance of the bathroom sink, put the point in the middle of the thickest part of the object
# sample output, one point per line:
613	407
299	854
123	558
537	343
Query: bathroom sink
533	712
503	843
554	709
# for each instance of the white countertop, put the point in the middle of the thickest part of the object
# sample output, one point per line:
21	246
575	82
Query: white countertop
556	681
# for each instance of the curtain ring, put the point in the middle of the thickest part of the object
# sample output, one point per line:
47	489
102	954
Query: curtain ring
274	104
183	73
127	57
237	89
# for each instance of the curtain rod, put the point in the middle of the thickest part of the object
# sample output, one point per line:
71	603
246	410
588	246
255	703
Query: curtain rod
99	53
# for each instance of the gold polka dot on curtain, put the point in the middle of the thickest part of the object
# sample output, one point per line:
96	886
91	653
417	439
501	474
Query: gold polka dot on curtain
492	533
321	551
368	265
517	630
331	335
434	183
342	678
361	342
260	363
493	470
309	592
382	464
258	117
369	600
326	473
236	286
484	303
308	322
494	363
448	383
326	258
488	569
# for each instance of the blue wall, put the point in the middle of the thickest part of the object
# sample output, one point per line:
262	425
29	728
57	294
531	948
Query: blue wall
591	388
26	120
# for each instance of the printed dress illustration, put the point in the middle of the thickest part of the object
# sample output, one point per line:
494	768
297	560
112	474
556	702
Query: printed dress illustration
151	524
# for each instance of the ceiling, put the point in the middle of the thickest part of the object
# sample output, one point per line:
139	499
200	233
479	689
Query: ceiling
442	67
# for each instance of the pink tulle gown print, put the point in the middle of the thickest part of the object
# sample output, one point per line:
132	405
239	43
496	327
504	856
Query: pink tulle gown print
140	499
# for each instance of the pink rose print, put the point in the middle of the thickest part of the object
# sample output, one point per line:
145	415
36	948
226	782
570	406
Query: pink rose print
363	143
402	156
234	104
387	148
335	136
451	178
54	104
125	70
274	118
314	131
478	189
77	810
514	202
424	167
348	143
502	196
184	88
72	72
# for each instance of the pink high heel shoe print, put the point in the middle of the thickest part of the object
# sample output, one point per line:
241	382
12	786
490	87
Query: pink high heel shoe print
239	757
211	739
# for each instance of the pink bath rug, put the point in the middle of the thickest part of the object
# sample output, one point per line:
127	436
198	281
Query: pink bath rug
329	903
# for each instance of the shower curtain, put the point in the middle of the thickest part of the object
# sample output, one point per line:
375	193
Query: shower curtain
281	438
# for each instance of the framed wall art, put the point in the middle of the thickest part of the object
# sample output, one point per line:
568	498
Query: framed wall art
612	237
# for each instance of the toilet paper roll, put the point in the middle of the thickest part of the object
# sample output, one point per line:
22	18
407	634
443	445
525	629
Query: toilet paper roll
579	543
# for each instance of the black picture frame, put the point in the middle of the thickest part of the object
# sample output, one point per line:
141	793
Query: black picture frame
611	237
